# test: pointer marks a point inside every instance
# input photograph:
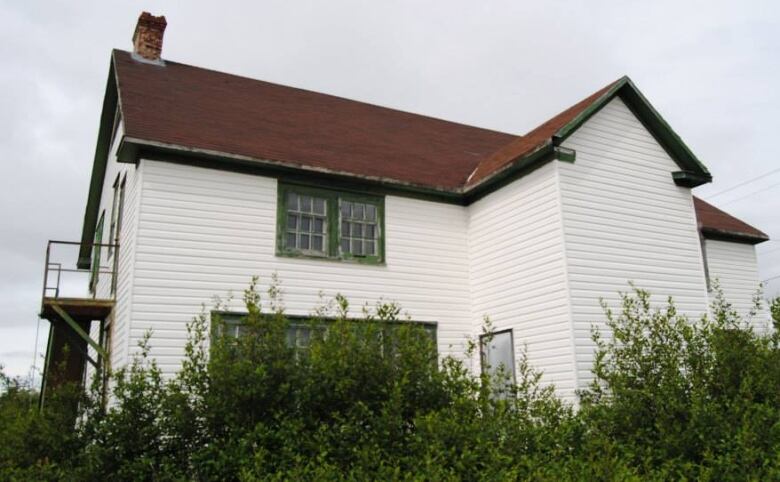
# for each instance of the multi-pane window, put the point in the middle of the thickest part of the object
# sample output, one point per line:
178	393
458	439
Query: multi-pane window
359	228
307	223
301	332
330	224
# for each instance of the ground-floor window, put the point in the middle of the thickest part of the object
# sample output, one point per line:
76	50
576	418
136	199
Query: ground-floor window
301	330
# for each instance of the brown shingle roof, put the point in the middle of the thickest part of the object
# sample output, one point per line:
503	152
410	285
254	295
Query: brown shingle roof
197	108
534	139
714	223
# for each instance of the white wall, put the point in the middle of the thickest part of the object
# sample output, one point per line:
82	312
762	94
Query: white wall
518	274
735	267
121	315
205	232
625	220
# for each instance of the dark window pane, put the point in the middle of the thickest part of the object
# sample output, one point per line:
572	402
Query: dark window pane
290	240
292	222
292	201
357	230
370	248
303	241
306	204
319	205
369	231
344	228
357	247
319	225
305	223
345	209
303	337
316	243
357	211
370	212
345	245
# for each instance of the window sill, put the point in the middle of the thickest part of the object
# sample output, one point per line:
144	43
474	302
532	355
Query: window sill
368	261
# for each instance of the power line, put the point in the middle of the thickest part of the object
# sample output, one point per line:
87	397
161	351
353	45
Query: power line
753	179
770	279
751	194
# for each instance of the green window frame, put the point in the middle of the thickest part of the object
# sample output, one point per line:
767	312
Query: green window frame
301	329
330	224
96	254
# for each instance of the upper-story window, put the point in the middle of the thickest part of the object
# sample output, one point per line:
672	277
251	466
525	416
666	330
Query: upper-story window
330	224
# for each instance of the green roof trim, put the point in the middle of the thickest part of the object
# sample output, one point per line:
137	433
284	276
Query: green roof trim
110	102
696	173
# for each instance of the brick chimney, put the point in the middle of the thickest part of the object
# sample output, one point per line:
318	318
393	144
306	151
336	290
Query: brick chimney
148	36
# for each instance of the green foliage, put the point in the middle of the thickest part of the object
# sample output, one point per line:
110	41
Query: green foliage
371	399
683	399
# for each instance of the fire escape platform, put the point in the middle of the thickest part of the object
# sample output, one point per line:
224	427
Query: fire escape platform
80	309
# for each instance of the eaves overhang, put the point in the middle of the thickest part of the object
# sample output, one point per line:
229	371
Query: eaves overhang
110	104
732	236
693	172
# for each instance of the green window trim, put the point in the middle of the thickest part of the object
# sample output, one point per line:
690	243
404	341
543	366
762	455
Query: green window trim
298	335
96	253
333	225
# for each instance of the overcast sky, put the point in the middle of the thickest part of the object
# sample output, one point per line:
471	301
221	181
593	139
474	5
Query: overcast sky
711	68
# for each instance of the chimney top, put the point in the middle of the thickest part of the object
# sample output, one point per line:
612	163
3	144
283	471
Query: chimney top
148	37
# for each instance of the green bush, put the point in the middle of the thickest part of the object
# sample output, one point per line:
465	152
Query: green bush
370	399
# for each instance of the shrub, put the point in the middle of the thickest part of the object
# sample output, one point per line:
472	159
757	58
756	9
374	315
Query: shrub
686	399
370	399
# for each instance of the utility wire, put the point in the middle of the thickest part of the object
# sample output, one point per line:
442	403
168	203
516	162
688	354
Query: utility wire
753	179
770	279
751	194
35	353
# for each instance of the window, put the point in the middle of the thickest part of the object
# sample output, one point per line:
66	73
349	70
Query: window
498	354
298	336
327	224
93	280
112	229
301	330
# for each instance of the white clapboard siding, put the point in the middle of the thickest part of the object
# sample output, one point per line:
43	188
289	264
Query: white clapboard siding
735	268
120	318
517	272
206	232
625	220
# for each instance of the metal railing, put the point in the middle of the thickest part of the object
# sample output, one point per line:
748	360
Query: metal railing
62	277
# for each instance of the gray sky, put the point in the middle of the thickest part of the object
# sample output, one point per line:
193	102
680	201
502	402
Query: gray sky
711	68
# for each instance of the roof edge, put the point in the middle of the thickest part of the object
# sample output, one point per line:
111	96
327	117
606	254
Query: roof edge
696	173
732	236
110	103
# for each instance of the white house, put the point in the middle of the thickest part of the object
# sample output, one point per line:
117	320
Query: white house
203	179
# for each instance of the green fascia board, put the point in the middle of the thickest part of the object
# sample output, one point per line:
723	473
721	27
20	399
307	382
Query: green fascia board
696	171
110	102
690	179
